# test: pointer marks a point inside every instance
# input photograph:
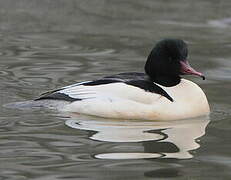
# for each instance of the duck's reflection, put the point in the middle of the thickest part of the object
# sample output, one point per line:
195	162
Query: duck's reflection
172	139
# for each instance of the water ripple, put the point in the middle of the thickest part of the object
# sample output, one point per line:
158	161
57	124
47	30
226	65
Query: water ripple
83	40
221	23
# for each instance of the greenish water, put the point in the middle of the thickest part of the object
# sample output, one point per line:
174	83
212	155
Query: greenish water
49	44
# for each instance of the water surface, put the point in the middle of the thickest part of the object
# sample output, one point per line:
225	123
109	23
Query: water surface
45	45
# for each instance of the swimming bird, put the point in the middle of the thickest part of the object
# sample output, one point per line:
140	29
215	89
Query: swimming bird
160	93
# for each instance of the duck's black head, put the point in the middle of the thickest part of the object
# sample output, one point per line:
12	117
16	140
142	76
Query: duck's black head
167	61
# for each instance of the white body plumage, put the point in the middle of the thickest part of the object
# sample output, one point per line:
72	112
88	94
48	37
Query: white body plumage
119	100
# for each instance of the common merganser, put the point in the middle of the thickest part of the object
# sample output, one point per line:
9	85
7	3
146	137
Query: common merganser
158	94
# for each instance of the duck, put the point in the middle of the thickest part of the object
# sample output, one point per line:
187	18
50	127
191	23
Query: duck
158	93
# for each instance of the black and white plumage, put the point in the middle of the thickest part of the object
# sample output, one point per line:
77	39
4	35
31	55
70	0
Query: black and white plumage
139	80
160	93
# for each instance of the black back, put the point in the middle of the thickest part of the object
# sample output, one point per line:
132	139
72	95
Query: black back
140	80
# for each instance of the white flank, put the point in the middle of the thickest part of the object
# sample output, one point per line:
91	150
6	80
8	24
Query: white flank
118	100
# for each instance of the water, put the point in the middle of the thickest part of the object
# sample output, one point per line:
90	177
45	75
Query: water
45	45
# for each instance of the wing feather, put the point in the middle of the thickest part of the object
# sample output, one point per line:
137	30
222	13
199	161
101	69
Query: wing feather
125	85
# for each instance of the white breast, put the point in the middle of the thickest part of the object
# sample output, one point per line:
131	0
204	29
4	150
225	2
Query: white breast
118	100
189	101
